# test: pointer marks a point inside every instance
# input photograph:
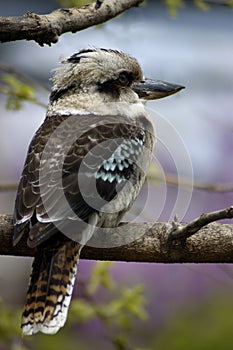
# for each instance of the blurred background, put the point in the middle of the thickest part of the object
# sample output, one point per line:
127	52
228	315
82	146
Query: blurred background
188	306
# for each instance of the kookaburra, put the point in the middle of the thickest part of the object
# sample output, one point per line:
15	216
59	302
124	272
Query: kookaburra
96	125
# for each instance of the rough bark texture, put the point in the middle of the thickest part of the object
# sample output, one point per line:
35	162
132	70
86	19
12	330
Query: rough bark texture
211	244
46	29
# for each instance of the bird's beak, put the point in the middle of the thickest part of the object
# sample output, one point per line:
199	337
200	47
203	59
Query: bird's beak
149	89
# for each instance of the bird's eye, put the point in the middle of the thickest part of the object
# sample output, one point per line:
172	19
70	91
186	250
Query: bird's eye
124	79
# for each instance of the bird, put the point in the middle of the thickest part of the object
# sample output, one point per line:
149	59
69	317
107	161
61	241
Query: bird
84	168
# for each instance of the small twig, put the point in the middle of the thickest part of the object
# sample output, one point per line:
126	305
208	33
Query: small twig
172	179
8	187
180	232
222	188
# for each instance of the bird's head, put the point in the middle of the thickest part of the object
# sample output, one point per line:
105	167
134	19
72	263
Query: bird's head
103	75
97	70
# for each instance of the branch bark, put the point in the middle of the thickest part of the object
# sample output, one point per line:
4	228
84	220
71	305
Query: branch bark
211	244
46	29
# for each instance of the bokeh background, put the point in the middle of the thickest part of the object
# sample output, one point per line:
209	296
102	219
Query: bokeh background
189	306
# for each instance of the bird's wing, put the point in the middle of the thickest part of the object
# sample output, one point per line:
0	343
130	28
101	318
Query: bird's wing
75	164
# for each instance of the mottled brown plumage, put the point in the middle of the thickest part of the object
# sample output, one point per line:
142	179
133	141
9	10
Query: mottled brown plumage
84	169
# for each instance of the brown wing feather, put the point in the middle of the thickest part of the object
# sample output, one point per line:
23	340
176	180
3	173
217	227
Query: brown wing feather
52	156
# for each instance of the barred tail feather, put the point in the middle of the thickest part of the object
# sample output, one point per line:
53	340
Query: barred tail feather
50	288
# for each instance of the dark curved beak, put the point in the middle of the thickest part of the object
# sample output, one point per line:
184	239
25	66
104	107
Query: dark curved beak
149	89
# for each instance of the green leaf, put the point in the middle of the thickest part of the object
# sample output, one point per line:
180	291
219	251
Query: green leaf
21	90
82	310
100	276
120	342
17	93
132	301
202	5
173	6
13	104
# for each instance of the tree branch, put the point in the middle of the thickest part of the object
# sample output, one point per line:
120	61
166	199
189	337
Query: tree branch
183	232
46	29
211	244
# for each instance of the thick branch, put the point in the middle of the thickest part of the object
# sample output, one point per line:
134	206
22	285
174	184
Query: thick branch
46	29
212	244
